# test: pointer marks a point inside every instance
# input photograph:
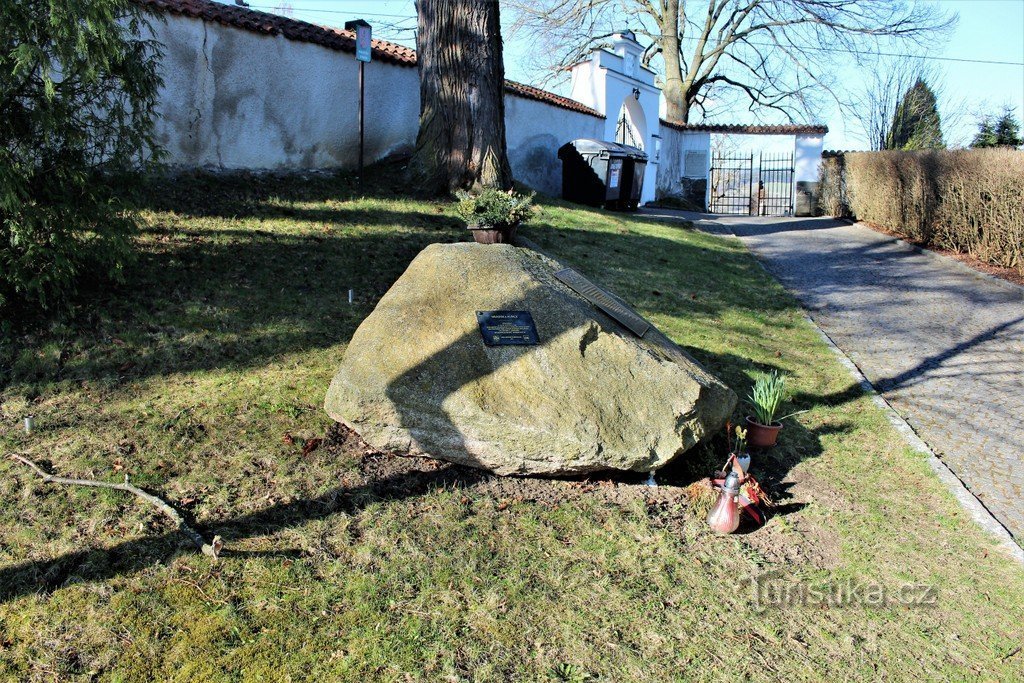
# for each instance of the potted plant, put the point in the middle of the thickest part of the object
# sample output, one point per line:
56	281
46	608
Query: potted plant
494	215
766	397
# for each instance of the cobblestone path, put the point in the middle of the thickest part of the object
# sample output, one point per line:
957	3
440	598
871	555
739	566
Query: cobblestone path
942	343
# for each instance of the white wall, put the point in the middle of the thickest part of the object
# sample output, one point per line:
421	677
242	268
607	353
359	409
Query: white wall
533	133
605	82
235	99
672	170
240	100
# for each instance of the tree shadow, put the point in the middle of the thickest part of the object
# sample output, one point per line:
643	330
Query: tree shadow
228	194
205	299
98	564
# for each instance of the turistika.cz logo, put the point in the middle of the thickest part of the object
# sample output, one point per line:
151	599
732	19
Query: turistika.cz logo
774	589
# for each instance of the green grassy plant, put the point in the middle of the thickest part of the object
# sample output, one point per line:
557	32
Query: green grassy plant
767	396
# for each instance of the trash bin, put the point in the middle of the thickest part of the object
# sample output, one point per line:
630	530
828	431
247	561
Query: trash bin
601	173
632	178
806	198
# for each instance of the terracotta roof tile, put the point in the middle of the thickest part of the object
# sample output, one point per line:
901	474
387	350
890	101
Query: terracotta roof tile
531	93
274	25
333	38
741	129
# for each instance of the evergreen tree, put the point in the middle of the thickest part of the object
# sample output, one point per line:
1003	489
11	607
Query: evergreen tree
1008	130
986	135
915	123
77	92
1005	132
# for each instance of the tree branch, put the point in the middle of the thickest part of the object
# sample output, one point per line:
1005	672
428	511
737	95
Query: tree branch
212	548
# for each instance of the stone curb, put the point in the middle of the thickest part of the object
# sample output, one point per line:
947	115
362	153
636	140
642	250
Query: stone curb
968	501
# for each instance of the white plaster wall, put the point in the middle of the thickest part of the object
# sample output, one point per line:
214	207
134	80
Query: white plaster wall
600	82
533	133
239	100
586	87
675	145
808	157
234	99
670	170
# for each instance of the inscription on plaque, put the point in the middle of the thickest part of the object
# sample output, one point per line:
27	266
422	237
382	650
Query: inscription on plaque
618	311
507	328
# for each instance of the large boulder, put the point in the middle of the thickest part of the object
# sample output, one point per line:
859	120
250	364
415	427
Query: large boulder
417	377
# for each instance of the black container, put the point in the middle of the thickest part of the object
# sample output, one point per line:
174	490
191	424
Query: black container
601	173
632	179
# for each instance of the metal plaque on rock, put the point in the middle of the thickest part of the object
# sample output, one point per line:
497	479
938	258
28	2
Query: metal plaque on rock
507	328
614	308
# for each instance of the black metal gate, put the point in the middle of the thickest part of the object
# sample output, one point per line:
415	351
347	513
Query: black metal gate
775	187
733	190
732	184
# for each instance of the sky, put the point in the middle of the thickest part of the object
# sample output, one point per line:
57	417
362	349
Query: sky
988	30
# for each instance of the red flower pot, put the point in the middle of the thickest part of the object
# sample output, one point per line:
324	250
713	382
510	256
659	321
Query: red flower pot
486	234
762	436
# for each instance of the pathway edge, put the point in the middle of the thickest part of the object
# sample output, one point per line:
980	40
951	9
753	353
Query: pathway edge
979	513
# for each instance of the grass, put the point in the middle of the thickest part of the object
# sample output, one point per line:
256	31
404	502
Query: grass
224	339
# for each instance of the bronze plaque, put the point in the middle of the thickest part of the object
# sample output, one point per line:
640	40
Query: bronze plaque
618	311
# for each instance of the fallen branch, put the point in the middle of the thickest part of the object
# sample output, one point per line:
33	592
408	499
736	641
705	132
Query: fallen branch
212	548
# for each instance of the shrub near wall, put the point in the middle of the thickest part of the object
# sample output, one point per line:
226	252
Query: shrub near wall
970	201
832	198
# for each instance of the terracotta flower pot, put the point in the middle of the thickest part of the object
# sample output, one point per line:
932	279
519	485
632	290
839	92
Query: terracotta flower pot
762	436
488	234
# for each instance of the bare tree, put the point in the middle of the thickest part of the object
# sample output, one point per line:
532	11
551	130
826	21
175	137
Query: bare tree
880	96
877	102
461	140
775	55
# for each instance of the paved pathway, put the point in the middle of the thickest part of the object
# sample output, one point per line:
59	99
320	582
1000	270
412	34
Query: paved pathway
942	343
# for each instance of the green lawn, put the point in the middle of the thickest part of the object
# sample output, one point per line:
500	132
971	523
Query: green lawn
203	377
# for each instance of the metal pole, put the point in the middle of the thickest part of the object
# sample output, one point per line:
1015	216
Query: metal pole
750	193
361	66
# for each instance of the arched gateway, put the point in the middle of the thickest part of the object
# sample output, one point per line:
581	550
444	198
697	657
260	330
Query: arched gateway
616	84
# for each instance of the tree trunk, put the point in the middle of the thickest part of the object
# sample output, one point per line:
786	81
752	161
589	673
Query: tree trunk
677	104
461	141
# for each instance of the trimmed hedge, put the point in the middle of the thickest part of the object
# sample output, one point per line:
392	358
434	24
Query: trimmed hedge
970	201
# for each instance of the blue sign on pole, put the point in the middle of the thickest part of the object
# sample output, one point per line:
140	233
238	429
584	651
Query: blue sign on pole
364	35
363	50
363	43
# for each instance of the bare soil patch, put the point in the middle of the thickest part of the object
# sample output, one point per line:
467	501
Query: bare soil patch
390	475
